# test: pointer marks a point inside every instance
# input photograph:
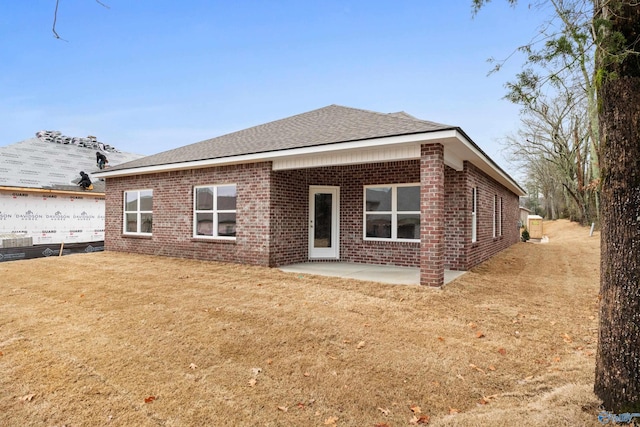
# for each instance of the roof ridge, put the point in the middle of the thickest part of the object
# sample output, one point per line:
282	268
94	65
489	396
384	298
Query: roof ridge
406	116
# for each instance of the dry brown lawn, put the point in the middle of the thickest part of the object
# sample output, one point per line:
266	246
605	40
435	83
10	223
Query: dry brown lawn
112	339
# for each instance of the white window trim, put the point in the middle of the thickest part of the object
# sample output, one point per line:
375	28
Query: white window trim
500	218
393	212
215	212
138	213
474	214
495	216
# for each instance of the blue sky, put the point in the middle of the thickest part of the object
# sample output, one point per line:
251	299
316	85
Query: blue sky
147	76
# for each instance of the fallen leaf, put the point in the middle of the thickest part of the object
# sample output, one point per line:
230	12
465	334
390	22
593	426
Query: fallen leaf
1	353
441	339
283	408
330	421
382	425
424	419
492	368
479	334
487	399
81	295
360	345
502	351
193	366
415	409
471	365
27	398
453	411
413	420
149	399
252	382
269	361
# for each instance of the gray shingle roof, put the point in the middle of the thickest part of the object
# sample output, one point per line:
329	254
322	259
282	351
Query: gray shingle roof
34	163
328	125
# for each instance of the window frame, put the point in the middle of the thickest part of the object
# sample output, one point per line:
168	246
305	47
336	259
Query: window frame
214	211
500	206
393	212
495	216
474	214
138	211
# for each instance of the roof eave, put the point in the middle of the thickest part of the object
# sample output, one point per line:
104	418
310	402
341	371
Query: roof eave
447	136
271	155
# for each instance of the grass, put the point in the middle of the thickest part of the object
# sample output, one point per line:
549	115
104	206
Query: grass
122	339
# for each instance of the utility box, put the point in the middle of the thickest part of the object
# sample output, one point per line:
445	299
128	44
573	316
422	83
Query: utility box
534	226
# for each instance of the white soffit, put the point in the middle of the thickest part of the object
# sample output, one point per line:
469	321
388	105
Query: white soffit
388	149
352	157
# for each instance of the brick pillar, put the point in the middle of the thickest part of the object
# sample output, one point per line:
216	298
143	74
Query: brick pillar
432	215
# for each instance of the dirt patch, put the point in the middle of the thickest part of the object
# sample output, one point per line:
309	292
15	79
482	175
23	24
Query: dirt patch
120	339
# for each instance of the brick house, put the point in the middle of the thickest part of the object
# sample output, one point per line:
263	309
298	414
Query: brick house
333	184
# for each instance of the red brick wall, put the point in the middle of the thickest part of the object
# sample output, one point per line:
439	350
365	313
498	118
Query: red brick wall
457	218
172	232
432	213
289	217
486	245
273	210
291	197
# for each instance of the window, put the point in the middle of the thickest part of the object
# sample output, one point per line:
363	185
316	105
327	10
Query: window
474	214
215	211
138	212
500	218
392	212
495	215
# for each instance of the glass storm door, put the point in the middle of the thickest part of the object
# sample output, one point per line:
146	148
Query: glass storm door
323	222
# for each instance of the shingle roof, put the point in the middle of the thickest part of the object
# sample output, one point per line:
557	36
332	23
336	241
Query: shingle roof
328	125
34	163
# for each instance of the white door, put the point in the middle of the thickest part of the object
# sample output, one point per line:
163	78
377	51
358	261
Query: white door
324	233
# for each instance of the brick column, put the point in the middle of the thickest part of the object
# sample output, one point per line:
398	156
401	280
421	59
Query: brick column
432	215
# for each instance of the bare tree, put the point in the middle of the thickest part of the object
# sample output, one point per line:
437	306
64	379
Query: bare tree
615	29
55	18
553	147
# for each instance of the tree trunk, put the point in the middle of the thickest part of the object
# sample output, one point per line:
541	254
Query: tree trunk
618	358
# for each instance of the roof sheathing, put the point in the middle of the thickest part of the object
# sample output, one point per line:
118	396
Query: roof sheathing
36	164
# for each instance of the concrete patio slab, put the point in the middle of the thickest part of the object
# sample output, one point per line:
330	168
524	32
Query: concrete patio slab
373	273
